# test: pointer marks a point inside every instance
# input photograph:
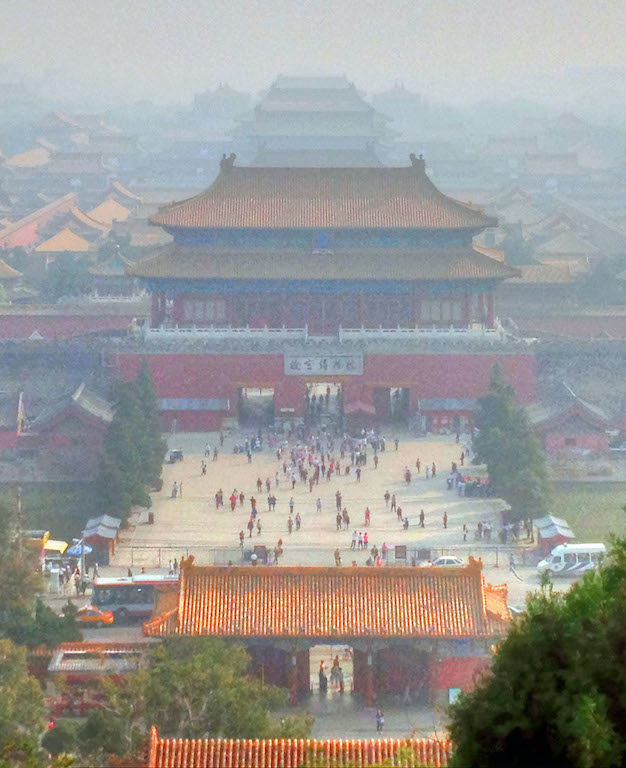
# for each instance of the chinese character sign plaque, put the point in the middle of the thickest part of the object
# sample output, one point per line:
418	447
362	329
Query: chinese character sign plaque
329	365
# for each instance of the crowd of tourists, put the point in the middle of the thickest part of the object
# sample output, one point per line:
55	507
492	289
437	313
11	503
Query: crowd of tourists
310	458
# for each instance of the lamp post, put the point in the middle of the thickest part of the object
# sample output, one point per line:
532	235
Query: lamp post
81	544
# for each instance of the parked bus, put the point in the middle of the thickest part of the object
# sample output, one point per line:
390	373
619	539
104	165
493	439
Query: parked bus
132	596
572	559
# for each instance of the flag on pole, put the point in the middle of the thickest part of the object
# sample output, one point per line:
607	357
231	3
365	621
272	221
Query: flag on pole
21	414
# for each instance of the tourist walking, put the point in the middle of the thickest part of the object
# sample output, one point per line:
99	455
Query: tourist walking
380	720
422	518
445	519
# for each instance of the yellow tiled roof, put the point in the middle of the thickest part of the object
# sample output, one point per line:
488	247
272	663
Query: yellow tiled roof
109	211
7	272
65	240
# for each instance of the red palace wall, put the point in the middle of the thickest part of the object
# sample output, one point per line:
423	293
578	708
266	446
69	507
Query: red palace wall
221	376
457	672
555	443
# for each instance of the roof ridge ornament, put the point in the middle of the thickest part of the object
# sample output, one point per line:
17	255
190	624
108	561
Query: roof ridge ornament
418	162
226	163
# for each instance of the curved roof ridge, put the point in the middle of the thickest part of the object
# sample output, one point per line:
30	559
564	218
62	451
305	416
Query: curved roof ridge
401	197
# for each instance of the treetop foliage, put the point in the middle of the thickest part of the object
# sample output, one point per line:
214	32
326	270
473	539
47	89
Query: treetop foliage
556	694
133	449
514	457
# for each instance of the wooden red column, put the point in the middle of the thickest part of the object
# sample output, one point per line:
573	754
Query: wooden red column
415	309
467	311
293	678
369	681
482	310
154	313
491	317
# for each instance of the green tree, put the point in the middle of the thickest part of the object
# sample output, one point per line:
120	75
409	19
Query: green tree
22	709
18	566
62	739
18	258
156	446
517	250
194	688
120	482
24	619
514	457
43	627
556	694
68	276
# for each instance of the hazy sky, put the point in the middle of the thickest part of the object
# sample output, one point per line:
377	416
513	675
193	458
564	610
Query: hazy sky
170	49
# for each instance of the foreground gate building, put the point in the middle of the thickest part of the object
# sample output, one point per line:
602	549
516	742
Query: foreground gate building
364	278
425	632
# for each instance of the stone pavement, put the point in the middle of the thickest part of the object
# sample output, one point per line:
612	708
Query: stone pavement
191	524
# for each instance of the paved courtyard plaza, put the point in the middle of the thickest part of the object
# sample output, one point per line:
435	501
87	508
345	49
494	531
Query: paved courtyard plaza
191	524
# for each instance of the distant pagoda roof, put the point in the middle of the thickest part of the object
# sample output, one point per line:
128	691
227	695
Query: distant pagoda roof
313	94
315	158
319	198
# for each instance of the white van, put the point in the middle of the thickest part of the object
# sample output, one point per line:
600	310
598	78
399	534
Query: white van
572	559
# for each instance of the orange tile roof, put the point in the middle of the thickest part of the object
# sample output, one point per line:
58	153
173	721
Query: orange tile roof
32	158
178	261
403	198
240	601
125	192
109	211
293	753
61	204
65	240
83	218
7	272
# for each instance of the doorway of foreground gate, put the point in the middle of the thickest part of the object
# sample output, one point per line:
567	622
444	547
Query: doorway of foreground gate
332	670
256	406
324	404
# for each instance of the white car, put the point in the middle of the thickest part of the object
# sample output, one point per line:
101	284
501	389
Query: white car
447	560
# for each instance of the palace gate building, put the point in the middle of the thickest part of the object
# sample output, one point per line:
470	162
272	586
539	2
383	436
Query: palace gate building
363	278
424	633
